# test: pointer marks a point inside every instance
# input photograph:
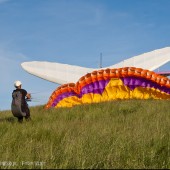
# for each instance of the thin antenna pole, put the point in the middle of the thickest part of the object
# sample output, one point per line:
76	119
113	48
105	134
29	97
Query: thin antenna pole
100	60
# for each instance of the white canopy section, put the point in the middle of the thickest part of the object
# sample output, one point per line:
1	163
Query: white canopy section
150	60
55	72
64	73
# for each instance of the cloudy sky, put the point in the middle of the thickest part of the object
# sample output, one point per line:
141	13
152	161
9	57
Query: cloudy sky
75	32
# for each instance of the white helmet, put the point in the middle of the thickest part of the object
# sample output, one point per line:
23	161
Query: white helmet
17	83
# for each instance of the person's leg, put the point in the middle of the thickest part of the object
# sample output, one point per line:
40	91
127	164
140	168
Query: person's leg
20	119
27	111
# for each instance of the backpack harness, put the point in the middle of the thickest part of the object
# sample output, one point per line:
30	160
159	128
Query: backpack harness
16	104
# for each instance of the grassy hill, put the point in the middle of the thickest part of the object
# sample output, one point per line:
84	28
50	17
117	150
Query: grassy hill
119	134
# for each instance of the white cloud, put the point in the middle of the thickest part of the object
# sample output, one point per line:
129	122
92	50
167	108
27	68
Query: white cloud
11	70
10	65
3	1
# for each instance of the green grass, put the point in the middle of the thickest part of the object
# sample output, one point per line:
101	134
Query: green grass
129	134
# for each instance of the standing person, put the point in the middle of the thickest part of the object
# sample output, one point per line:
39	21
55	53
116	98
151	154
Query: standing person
19	106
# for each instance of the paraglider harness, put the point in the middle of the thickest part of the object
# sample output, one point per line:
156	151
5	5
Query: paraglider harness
17	104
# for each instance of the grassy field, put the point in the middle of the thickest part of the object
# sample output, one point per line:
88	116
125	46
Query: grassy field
119	134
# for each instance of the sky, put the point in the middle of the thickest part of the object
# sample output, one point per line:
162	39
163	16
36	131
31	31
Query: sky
75	32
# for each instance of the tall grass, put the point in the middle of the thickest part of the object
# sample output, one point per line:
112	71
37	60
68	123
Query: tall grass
119	134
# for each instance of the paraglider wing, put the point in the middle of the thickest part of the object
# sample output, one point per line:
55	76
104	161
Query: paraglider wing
64	73
111	84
